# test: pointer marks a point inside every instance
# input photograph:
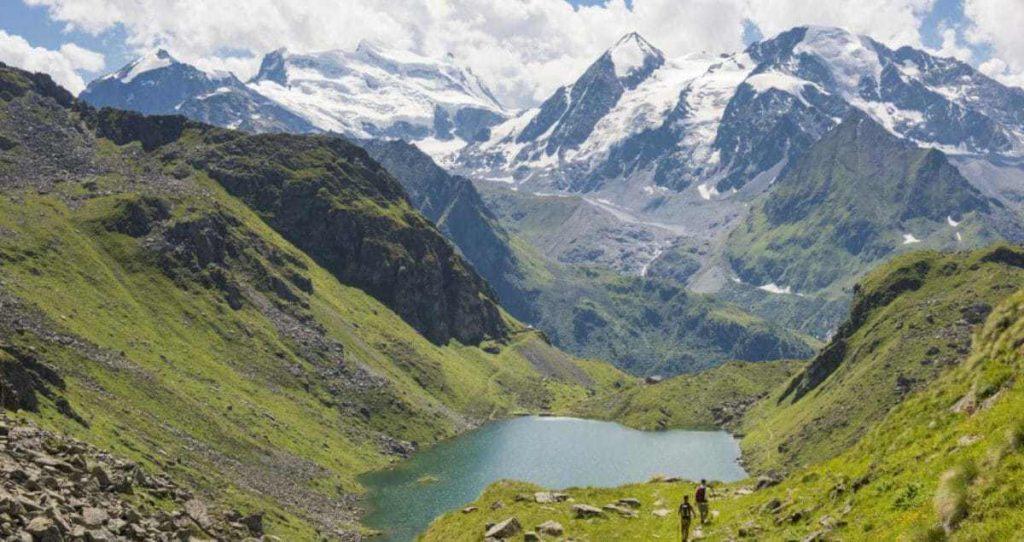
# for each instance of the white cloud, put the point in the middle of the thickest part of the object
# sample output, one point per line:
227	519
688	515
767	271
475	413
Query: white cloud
951	46
998	24
82	58
62	64
523	48
893	22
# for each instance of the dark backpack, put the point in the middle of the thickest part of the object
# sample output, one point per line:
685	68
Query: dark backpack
700	497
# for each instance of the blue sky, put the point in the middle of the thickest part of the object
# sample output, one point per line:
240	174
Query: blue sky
78	40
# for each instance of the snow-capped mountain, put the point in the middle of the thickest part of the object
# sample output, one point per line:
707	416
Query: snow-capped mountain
373	92
158	84
709	124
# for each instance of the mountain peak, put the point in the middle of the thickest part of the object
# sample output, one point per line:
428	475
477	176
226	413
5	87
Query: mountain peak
632	53
151	60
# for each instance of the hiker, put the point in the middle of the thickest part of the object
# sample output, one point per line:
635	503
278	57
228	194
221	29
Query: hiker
685	515
701	496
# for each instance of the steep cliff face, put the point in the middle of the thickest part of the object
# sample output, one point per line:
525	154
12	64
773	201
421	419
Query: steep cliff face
453	204
331	200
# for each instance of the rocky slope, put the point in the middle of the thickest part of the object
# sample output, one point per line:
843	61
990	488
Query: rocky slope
157	301
57	488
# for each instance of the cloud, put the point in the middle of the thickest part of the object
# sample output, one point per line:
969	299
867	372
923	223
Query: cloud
998	24
523	48
893	22
62	64
952	46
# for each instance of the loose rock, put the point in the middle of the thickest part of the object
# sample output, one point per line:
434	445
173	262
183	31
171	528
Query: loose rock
505	529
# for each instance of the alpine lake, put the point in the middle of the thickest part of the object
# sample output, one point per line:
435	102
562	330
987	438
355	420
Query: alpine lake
549	451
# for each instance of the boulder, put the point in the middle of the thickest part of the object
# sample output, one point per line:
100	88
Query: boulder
197	511
469	509
620	510
583	511
530	536
505	529
771	506
254	523
43	529
748	530
94	517
551	528
766	481
543	497
661	512
628	502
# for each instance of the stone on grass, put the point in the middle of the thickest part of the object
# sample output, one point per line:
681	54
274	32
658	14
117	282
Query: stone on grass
551	528
505	529
583	511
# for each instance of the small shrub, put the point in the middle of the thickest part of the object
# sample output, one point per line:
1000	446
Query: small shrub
1015	437
908	497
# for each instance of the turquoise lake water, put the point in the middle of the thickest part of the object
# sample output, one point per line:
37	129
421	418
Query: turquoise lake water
552	452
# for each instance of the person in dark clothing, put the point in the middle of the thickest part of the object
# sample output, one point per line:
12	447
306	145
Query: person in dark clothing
685	516
701	496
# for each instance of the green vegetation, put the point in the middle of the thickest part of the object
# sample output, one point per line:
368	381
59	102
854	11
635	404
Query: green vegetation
847	204
946	463
717	397
158	303
910	322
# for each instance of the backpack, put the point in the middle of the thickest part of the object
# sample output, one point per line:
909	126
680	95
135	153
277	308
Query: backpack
699	497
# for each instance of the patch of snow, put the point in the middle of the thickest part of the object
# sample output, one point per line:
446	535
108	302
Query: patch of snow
154	60
438	149
785	82
367	91
959	238
629	54
909	239
951	222
773	288
847	55
707	190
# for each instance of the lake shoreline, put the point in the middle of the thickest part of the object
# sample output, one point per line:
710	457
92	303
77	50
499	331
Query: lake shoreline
604	454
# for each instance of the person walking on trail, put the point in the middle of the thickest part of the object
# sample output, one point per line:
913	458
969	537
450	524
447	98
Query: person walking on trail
701	496
685	516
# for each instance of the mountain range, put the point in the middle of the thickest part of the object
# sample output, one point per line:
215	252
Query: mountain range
690	170
249	294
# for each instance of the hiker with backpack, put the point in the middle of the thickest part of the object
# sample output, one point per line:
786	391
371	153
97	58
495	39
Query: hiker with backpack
701	496
685	516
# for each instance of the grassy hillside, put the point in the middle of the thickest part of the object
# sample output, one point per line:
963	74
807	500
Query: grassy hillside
910	322
852	201
717	397
944	464
157	302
